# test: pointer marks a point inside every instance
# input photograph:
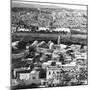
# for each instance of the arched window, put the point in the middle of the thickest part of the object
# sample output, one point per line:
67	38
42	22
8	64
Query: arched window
49	72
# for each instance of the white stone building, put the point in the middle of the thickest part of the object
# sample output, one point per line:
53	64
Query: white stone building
53	75
30	77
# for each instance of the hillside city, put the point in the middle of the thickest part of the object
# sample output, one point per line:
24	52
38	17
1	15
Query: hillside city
49	47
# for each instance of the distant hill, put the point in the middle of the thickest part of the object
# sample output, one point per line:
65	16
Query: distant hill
49	16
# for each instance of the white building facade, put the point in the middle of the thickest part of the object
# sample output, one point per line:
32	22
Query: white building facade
53	75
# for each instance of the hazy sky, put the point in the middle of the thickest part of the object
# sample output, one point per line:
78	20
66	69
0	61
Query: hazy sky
82	7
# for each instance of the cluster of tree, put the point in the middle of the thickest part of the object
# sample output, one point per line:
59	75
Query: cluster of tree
74	79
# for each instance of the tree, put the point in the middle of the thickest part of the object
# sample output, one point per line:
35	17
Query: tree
32	66
61	58
21	45
66	78
32	51
42	73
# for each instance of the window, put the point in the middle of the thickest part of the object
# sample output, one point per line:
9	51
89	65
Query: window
33	77
49	72
57	72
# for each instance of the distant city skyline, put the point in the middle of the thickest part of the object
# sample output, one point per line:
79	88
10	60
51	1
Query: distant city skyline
26	3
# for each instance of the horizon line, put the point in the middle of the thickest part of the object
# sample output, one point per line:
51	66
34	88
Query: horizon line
59	5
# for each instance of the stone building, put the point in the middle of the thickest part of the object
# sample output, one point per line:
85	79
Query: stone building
53	74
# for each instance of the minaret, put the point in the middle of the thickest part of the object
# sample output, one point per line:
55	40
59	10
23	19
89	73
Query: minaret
59	41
